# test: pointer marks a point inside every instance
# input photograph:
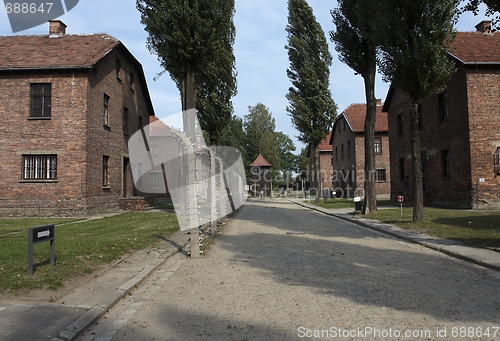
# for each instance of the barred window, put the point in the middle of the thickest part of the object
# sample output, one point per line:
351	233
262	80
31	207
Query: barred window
105	171
155	179
40	167
380	175
40	100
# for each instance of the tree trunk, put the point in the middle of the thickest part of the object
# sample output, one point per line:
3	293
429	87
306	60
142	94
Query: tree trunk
371	112
188	95
416	160
316	171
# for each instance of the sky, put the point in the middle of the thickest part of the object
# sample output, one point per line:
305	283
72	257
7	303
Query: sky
261	59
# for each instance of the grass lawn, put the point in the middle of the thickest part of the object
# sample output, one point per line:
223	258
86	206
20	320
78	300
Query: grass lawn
81	247
480	229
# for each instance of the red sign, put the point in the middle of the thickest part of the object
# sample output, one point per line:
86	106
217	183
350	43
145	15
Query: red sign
401	198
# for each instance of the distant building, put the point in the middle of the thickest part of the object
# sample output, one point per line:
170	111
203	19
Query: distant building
69	105
261	180
348	152
459	129
325	165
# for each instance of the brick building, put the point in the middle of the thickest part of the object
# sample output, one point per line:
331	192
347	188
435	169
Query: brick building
459	129
68	104
325	164
348	152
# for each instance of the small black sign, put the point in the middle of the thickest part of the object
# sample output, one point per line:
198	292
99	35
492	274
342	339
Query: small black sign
42	233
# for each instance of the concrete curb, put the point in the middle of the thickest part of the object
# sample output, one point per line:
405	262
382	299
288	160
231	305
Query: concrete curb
487	258
77	328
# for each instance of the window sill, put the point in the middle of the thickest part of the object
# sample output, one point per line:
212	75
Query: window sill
39	181
41	118
106	188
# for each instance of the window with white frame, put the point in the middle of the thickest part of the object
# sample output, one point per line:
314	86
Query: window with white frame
105	171
155	179
39	167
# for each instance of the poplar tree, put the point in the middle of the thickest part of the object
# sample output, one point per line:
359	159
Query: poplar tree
416	35
260	138
356	42
193	41
311	106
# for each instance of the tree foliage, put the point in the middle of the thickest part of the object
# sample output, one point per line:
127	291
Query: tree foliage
356	41
193	41
311	106
415	59
217	84
259	126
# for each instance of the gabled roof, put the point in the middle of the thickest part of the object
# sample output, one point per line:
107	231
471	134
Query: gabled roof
468	48
476	48
69	51
355	116
158	127
325	145
41	52
260	161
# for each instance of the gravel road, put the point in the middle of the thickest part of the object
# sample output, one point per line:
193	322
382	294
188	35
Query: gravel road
282	272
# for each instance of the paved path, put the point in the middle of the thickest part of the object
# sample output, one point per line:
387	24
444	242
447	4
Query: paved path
282	272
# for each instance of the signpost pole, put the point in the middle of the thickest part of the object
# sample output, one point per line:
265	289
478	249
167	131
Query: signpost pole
30	252
37	235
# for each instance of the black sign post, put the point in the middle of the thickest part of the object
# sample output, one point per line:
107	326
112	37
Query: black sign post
37	235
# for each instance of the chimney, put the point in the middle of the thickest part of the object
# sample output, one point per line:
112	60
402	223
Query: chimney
379	102
484	26
57	29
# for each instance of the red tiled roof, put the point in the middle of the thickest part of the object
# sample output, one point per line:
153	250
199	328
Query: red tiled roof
260	161
157	127
40	51
476	47
356	115
325	145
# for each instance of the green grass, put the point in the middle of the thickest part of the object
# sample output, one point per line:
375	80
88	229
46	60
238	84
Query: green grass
12	225
480	229
80	248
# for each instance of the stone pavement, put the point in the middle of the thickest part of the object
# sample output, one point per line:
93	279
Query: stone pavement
483	257
279	271
70	315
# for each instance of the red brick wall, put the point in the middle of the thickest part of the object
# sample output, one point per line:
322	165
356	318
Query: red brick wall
75	133
63	134
344	166
483	87
348	172
471	134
